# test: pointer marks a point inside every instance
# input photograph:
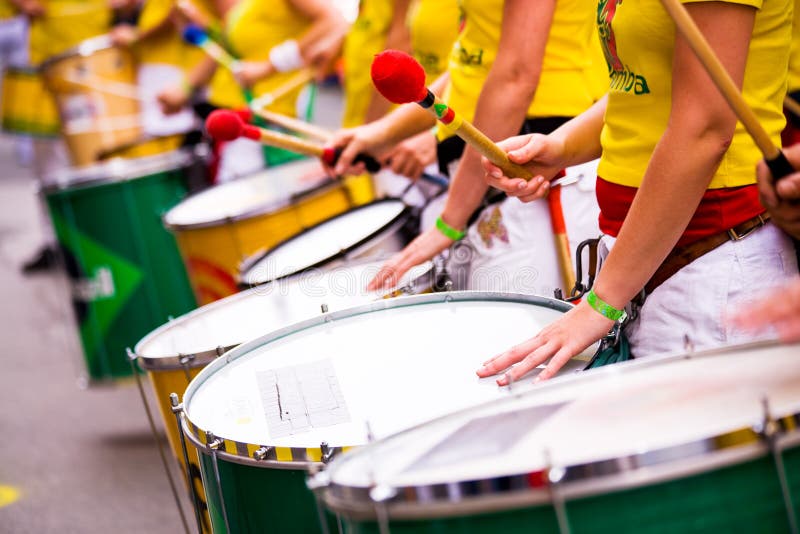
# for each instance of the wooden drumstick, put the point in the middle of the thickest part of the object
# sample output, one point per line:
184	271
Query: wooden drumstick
778	165
401	80
197	36
296	125
225	125
298	80
792	105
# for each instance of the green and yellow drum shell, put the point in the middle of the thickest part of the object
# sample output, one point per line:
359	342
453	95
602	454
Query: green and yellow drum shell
269	411
28	108
126	273
219	228
175	353
705	443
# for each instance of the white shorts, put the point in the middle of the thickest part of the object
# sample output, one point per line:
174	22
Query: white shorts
693	305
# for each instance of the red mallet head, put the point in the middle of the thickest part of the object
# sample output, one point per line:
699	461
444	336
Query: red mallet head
225	125
398	77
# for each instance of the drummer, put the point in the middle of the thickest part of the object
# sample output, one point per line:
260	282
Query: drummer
543	51
273	40
678	196
54	28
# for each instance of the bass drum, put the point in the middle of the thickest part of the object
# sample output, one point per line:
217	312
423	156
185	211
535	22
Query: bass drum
702	443
279	406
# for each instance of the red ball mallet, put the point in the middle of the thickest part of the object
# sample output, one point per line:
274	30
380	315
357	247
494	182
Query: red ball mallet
401	79
227	125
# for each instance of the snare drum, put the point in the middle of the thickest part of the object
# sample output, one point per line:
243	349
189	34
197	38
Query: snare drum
174	353
126	273
372	230
708	444
94	85
273	408
220	227
28	108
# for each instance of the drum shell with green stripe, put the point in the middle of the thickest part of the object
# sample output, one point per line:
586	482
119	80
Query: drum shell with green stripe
126	274
702	447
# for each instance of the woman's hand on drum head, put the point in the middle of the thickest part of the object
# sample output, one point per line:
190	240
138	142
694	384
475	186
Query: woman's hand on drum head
780	310
427	245
559	341
410	157
541	154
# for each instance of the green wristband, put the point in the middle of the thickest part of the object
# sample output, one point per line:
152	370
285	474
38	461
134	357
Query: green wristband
603	308
448	231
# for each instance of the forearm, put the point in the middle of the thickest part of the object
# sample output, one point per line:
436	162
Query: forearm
580	136
201	74
405	121
679	172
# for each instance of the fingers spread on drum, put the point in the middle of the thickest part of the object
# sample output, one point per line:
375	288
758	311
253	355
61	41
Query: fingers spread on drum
508	358
388	276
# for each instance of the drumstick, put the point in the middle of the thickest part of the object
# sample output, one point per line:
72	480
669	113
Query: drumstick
792	105
778	165
301	78
225	125
401	80
111	87
560	236
197	36
293	124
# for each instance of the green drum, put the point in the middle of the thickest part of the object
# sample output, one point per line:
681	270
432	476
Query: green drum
273	409
706	443
126	273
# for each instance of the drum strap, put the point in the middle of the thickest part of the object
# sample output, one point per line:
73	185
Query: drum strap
680	257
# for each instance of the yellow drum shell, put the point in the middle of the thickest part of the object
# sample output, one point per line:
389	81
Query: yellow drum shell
28	107
213	250
94	86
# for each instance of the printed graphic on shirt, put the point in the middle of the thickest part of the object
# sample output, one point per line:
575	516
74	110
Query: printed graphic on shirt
490	226
622	77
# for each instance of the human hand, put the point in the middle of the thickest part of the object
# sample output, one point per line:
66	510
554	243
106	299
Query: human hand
352	142
410	157
782	199
781	310
173	99
559	341
247	73
427	245
541	154
30	8
124	35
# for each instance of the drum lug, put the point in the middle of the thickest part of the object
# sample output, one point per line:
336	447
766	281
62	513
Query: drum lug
212	441
323	308
261	453
185	359
220	351
177	406
382	493
327	452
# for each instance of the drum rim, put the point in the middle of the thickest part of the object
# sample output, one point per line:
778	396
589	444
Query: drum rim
292	199
446	499
176	361
116	170
304	457
385	230
85	48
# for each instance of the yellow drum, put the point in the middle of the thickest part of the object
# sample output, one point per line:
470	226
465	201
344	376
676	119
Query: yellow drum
174	353
151	146
28	107
219	228
94	85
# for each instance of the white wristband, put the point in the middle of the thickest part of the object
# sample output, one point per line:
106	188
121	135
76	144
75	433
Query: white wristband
286	56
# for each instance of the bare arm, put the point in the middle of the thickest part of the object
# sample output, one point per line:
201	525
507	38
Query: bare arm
505	98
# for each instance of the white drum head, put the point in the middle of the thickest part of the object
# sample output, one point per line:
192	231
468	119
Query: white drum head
324	241
247	196
646	411
387	367
258	311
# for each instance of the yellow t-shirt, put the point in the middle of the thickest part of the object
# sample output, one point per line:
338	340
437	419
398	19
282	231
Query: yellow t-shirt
166	47
366	38
794	55
433	25
65	24
253	27
638	39
564	85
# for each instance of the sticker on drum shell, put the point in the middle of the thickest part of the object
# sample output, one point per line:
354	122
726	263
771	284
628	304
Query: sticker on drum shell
79	112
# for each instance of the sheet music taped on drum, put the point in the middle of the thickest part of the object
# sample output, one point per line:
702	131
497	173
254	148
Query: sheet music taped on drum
301	397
